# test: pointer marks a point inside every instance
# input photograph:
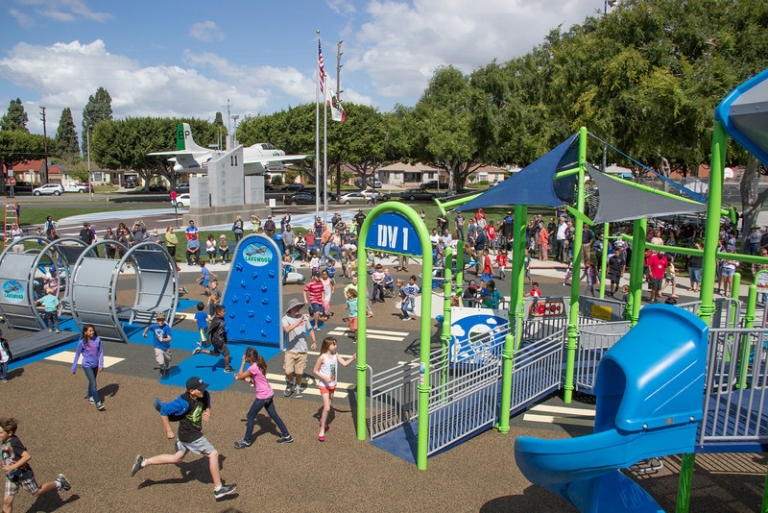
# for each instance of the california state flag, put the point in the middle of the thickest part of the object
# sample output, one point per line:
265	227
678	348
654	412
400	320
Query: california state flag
337	111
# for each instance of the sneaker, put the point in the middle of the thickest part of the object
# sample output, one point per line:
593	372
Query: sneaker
406	318
285	439
100	406
288	389
3	380
197	350
58	331
50	330
229	370
298	393
137	465
89	399
242	444
224	491
63	483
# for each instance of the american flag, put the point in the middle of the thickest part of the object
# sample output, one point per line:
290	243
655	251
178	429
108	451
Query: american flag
320	66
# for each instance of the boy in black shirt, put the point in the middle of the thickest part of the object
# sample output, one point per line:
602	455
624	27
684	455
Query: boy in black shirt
18	473
217	336
189	410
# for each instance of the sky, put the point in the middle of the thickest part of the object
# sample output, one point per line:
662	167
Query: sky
193	59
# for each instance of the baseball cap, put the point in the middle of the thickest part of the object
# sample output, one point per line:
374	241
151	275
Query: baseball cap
196	384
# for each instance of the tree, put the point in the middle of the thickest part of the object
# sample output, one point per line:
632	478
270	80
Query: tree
15	119
17	146
98	109
219	121
65	144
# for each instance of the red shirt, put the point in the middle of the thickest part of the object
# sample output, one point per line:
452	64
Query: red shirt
657	264
316	289
501	260
491	232
487	265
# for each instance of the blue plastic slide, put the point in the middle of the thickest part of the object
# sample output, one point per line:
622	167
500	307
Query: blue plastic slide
649	390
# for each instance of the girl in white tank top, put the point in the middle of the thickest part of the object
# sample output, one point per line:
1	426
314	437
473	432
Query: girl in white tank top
326	370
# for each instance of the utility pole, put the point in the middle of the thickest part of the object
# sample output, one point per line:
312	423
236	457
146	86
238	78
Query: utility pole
44	174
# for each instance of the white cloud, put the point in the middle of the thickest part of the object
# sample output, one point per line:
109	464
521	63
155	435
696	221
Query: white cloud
59	10
404	42
343	7
65	75
24	20
206	31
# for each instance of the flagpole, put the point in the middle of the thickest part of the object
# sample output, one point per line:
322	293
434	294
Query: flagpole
325	160
317	130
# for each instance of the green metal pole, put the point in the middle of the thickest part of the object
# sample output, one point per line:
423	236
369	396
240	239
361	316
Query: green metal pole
735	295
453	203
512	339
460	268
636	270
711	234
749	322
573	315
604	258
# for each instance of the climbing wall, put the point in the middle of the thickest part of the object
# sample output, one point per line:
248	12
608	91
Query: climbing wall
254	291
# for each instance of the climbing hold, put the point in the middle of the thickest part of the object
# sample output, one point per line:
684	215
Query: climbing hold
247	298
238	266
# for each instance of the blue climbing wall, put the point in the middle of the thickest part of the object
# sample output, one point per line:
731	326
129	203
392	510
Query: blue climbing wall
253	296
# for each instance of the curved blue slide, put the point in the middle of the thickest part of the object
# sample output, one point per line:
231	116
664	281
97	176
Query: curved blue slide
649	390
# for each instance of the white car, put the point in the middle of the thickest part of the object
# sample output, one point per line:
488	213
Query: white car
182	200
354	197
48	189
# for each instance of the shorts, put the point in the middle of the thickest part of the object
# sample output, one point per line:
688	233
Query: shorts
327	390
695	275
204	283
220	350
203	337
655	284
294	363
27	481
353	323
199	446
163	357
316	308
728	272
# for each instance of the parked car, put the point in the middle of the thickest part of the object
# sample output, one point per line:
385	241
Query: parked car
130	182
293	187
55	189
158	188
182	200
432	184
300	198
76	187
182	187
21	187
417	194
332	196
354	197
370	182
380	195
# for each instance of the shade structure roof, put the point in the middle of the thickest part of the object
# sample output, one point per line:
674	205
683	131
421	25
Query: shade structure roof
621	201
535	184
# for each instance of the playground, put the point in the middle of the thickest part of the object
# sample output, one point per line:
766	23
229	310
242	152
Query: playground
677	390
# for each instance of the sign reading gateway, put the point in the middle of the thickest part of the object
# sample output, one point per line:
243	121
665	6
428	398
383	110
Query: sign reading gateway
393	233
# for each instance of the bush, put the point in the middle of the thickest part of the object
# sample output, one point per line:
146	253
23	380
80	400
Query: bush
276	180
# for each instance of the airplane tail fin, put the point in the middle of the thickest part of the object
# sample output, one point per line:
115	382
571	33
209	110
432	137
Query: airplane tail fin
184	139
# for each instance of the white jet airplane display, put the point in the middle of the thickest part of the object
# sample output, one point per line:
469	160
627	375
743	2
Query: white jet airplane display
191	158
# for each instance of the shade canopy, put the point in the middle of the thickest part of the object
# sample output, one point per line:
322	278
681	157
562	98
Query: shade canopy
744	115
621	201
535	184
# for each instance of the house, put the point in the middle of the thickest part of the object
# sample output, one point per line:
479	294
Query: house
30	171
490	174
410	175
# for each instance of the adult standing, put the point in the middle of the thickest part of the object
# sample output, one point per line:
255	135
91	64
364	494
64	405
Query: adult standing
296	326
561	237
359	219
694	269
171	241
543	242
269	227
587	238
109	248
459	222
657	266
237	228
89	346
15	237
753	239
616	266
289	239
285	221
50	228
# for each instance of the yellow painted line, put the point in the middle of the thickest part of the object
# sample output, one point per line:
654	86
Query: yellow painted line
563	410
551	419
68	356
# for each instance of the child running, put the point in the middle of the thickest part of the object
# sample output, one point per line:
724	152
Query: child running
201	318
217	332
189	409
214	298
18	473
161	342
93	362
205	277
5	357
351	295
256	372
325	369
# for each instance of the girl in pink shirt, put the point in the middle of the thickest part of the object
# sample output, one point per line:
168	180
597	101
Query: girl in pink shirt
256	373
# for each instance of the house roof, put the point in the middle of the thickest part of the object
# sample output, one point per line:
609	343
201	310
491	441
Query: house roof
409	168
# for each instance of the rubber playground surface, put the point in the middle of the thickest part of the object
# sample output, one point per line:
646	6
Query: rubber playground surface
95	450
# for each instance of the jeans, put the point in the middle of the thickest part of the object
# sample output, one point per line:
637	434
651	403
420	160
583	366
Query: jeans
3	370
460	232
408	305
52	320
256	407
90	373
378	291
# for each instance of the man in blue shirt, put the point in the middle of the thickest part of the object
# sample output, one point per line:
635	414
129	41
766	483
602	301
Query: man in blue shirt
161	342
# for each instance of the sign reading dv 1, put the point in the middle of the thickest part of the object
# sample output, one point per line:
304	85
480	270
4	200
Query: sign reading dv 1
393	233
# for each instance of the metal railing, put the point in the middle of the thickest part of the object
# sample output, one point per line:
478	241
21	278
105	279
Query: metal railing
594	341
538	370
394	398
736	393
464	394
